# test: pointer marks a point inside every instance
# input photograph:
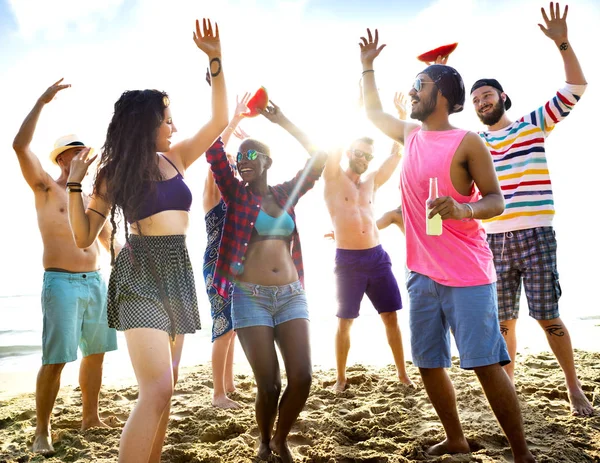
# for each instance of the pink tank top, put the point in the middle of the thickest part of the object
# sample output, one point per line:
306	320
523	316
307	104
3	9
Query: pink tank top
460	256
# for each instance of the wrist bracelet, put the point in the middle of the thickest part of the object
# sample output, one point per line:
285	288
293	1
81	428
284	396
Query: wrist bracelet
73	184
74	190
368	70
472	216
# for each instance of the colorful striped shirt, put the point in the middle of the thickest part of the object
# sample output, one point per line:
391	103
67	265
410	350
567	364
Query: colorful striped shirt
520	160
242	210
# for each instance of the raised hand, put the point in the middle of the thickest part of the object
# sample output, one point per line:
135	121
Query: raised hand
239	133
51	91
439	60
273	113
241	106
208	41
401	103
369	48
80	164
556	27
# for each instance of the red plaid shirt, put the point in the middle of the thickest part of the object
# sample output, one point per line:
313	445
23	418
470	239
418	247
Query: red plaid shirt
242	210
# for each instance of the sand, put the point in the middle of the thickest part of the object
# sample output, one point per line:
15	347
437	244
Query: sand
374	420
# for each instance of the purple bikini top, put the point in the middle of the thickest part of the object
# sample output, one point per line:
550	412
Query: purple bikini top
169	195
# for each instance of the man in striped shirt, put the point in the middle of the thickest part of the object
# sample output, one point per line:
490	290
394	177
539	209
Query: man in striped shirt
522	238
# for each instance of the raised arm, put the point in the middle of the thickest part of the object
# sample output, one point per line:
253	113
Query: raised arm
556	30
35	176
211	193
187	151
388	124
388	166
276	116
86	225
481	169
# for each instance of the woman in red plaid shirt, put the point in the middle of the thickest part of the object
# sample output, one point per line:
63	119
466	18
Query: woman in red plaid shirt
260	252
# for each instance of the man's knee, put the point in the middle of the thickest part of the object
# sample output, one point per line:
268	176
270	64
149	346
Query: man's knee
390	319
344	325
554	327
53	369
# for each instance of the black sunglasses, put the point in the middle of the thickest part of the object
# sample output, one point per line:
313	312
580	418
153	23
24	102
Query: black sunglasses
250	155
360	154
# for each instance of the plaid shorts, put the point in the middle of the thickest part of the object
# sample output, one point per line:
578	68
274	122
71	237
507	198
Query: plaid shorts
528	255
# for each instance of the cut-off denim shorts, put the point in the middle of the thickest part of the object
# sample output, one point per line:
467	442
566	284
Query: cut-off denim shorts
257	305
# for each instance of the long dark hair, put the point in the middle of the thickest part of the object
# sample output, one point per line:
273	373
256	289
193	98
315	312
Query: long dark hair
128	167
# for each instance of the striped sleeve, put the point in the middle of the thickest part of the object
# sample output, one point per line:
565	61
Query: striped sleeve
556	109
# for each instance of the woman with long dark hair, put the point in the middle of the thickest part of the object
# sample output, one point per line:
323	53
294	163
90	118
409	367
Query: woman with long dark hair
151	293
260	252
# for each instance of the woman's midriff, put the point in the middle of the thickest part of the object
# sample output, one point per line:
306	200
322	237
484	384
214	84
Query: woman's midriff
164	223
269	263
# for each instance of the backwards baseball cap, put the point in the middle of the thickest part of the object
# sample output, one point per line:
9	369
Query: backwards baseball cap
64	143
492	83
450	83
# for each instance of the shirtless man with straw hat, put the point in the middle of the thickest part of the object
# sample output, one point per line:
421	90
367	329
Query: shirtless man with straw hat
73	293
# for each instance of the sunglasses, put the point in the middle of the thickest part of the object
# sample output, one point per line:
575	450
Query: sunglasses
250	155
418	84
361	154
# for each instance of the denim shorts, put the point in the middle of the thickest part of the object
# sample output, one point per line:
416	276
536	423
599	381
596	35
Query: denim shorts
470	312
74	310
530	256
256	305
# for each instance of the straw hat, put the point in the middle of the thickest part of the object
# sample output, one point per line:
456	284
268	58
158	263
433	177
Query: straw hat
63	144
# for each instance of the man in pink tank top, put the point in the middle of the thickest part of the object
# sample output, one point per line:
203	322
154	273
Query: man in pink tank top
451	285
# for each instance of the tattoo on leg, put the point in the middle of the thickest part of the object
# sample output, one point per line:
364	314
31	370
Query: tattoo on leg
218	71
556	330
504	330
564	46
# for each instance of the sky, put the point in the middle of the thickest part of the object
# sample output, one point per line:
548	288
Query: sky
306	54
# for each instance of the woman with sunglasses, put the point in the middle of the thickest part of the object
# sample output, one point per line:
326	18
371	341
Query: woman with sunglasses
151	294
260	252
223	335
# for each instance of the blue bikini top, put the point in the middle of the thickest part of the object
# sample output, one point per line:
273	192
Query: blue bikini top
267	226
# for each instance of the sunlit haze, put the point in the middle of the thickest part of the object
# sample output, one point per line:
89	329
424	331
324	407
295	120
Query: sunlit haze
306	54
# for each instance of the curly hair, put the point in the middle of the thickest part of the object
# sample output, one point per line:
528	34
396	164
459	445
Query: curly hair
128	167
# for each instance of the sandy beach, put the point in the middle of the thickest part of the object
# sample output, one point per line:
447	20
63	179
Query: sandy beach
374	420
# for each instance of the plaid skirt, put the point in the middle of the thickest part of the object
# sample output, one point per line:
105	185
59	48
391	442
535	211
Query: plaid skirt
134	296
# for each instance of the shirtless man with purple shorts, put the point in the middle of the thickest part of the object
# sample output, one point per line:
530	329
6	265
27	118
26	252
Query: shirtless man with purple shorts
361	264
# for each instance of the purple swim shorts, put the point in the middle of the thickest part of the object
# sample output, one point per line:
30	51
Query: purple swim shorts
365	271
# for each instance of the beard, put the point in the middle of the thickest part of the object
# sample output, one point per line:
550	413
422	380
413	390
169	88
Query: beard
494	115
357	168
427	107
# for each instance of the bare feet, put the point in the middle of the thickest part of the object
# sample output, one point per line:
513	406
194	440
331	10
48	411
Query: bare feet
95	423
264	451
224	402
42	444
229	388
580	405
281	449
113	422
449	447
339	386
404	379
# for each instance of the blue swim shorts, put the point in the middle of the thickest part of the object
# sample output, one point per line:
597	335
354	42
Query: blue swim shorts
256	305
470	312
74	311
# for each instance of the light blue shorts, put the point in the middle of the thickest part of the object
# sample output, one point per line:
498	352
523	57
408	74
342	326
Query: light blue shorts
256	305
470	312
74	309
